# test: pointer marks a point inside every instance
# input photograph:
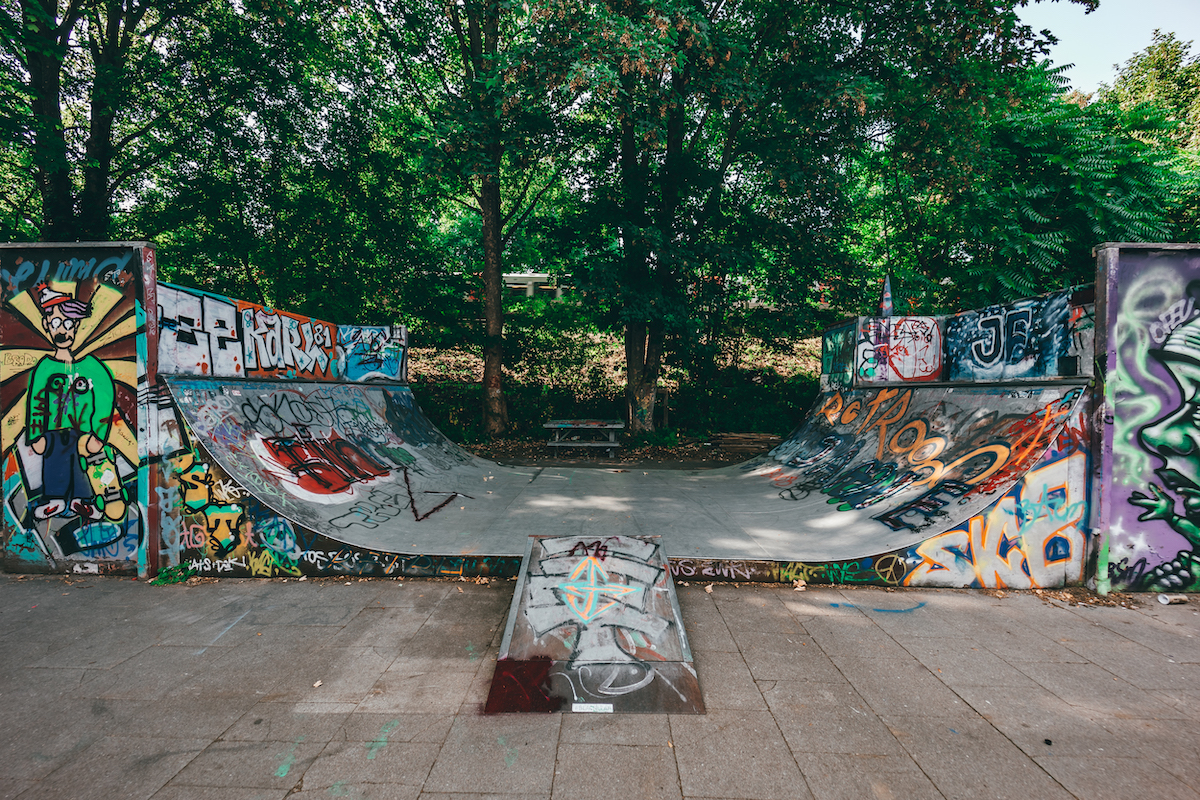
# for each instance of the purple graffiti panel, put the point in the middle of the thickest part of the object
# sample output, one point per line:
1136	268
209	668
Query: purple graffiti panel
1152	473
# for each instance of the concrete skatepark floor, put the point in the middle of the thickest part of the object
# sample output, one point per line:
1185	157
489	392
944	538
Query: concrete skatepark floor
373	688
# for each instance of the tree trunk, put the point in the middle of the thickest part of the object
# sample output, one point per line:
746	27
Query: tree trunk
483	57
643	361
94	210
643	335
44	55
495	405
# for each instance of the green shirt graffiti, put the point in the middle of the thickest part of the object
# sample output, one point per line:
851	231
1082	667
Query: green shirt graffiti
77	396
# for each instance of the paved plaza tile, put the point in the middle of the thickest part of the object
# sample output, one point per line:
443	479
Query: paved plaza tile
259	690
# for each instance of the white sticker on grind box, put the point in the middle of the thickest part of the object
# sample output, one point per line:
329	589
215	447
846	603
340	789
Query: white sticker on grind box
592	708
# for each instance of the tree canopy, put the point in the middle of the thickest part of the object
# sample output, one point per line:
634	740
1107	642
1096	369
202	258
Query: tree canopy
694	168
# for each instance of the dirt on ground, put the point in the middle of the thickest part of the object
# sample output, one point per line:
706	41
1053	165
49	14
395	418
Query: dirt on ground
1073	596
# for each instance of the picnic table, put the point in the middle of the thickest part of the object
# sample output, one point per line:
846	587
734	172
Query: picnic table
568	433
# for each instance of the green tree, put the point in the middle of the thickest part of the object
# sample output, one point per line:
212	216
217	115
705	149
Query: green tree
92	102
1021	197
727	139
301	195
1167	76
482	81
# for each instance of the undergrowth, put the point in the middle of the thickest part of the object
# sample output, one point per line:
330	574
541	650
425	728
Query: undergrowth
176	574
763	390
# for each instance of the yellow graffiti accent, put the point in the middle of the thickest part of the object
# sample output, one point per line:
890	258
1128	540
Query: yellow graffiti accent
851	412
798	570
261	564
123	372
27	308
103	300
921	441
881	397
104	480
196	482
224	522
124	328
895	413
20	360
833	407
14	423
124	440
938	469
266	564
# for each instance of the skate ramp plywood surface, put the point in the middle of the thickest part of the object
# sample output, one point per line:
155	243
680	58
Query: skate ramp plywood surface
868	472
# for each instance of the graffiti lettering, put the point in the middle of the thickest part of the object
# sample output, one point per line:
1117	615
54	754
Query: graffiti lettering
278	342
1035	536
1176	314
899	349
1022	340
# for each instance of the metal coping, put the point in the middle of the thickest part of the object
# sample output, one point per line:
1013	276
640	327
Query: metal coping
518	593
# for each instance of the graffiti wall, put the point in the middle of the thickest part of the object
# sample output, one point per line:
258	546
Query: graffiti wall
350	461
1037	534
215	524
368	353
837	357
1151	472
282	467
70	366
282	345
1023	340
217	527
881	470
212	336
898	349
199	334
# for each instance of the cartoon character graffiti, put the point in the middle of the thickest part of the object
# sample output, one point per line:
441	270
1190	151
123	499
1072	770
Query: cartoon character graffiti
69	416
1175	438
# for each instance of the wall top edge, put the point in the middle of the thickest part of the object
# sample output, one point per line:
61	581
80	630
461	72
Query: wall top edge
1014	383
172	377
857	319
1145	246
62	245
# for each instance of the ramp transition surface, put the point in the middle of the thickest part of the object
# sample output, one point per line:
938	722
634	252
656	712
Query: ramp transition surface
868	472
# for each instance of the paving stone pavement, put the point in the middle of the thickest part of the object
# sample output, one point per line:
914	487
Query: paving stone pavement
111	688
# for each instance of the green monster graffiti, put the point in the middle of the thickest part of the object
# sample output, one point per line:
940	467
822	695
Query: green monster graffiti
1175	438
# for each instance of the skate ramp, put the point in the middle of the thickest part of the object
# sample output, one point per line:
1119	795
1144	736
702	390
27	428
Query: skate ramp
868	472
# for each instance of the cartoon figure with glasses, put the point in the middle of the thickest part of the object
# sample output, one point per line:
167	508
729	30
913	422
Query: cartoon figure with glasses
70	413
